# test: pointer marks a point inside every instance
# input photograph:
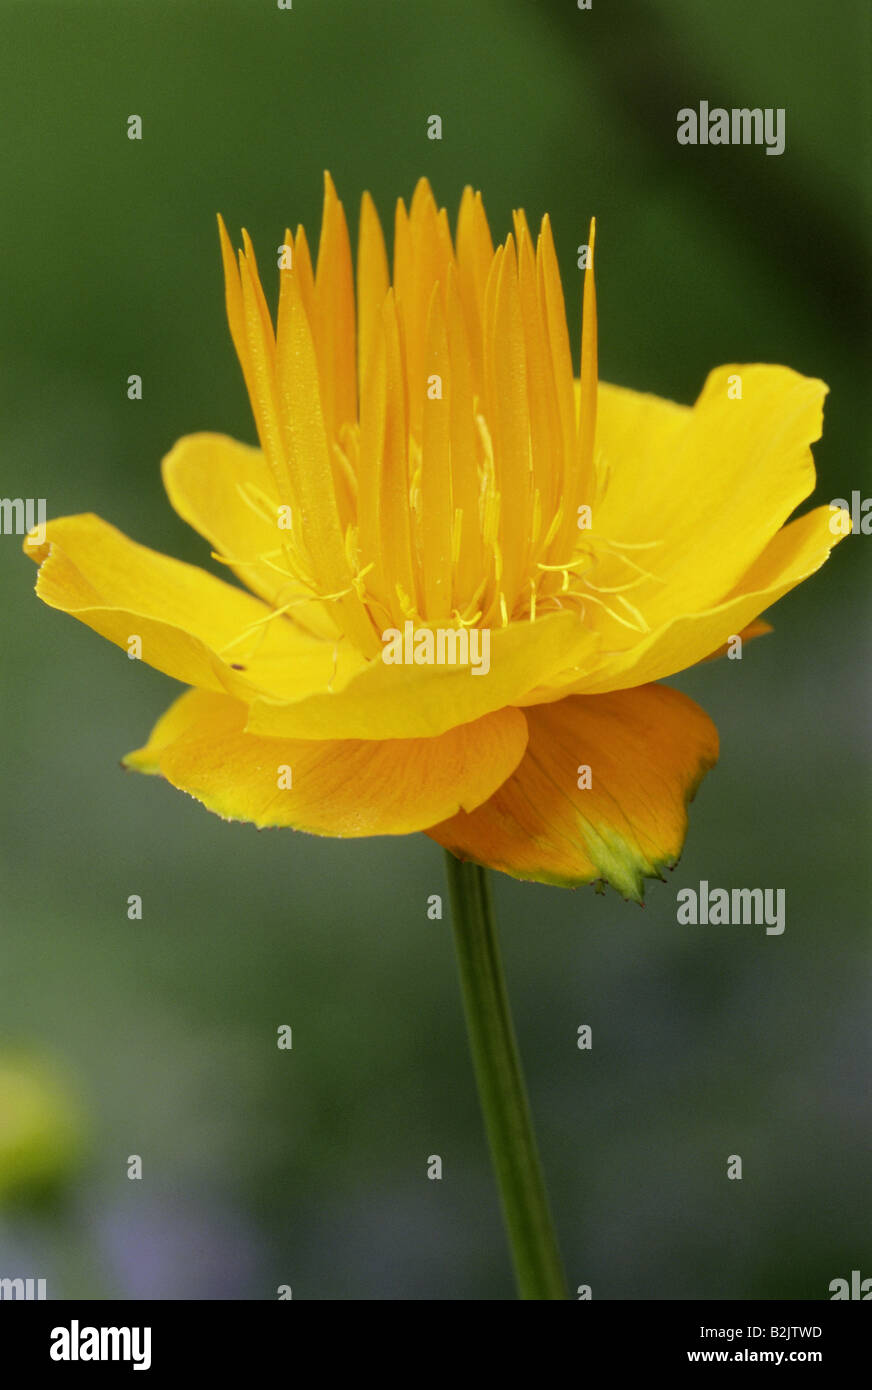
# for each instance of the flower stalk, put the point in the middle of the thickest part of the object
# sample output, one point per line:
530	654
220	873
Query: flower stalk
502	1093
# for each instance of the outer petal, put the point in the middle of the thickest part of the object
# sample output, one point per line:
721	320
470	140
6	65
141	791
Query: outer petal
342	788
648	750
796	552
226	491
710	487
188	620
423	701
759	628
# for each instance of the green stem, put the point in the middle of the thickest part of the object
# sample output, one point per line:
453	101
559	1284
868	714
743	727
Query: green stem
501	1085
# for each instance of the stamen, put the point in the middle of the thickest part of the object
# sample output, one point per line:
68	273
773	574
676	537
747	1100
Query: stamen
556	522
407	606
335	664
466	622
260	623
562	569
476	600
616	588
639	626
631	608
631	545
267	509
358	578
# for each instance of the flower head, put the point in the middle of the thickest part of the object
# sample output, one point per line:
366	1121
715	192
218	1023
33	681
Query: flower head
433	478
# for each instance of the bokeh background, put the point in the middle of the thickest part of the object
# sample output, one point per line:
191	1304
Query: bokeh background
158	1037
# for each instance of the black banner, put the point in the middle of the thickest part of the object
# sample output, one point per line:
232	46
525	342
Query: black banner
209	1339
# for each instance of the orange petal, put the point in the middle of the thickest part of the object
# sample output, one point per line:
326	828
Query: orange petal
647	751
347	788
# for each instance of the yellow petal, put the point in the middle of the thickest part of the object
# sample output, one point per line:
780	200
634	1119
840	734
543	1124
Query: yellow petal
371	455
553	312
334	307
647	751
422	255
261	347
304	278
475	252
588	375
226	491
394	514
347	788
282	375
373	279
309	463
409	701
506	409
708	488
192	625
758	628
796	552
236	310
471	563
436	492
545	438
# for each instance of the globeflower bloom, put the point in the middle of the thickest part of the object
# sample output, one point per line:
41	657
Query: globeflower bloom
432	477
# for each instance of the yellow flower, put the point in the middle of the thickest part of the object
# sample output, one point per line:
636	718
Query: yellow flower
429	464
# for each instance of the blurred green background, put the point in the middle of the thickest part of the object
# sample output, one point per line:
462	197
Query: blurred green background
308	1167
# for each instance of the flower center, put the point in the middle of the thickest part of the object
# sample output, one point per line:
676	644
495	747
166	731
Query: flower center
429	440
